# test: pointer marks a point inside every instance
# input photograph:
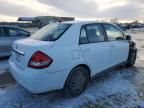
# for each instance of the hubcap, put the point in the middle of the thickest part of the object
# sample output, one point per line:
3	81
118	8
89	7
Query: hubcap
78	82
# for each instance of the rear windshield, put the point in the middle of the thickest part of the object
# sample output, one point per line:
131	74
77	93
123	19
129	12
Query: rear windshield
50	32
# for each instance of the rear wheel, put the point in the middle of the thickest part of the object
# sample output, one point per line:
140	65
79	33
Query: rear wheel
131	59
77	81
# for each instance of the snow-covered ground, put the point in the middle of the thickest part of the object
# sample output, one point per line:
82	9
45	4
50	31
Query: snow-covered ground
120	88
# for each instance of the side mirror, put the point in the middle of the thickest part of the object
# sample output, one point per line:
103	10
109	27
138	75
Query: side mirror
128	37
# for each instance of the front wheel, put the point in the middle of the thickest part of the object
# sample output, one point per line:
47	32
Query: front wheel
77	81
131	58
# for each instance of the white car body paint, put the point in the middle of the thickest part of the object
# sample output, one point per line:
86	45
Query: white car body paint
119	51
66	54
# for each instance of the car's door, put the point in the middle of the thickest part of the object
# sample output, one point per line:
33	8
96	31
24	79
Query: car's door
118	44
95	48
4	43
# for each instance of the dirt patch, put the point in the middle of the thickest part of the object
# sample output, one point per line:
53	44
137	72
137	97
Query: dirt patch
112	101
6	79
4	58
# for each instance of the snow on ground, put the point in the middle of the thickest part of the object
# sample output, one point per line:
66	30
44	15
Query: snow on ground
120	88
105	88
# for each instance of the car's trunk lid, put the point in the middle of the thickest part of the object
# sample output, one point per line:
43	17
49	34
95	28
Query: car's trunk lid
25	48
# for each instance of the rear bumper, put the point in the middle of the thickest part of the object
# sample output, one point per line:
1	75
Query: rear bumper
38	81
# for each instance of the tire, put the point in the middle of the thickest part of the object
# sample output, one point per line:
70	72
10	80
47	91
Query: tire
131	58
77	81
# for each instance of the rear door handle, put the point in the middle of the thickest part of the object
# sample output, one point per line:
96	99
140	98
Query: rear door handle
87	50
113	46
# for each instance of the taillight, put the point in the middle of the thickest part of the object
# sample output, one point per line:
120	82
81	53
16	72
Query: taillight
39	60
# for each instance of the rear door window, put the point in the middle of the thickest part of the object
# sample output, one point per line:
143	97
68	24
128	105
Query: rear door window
91	33
51	32
83	36
13	32
95	34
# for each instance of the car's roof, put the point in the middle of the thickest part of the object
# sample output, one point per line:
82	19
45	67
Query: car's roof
9	26
88	22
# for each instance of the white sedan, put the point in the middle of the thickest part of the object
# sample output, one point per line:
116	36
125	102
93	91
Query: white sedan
67	55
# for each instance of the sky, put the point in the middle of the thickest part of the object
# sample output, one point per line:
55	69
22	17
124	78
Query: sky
10	10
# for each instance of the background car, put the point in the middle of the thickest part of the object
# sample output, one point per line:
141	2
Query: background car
8	34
